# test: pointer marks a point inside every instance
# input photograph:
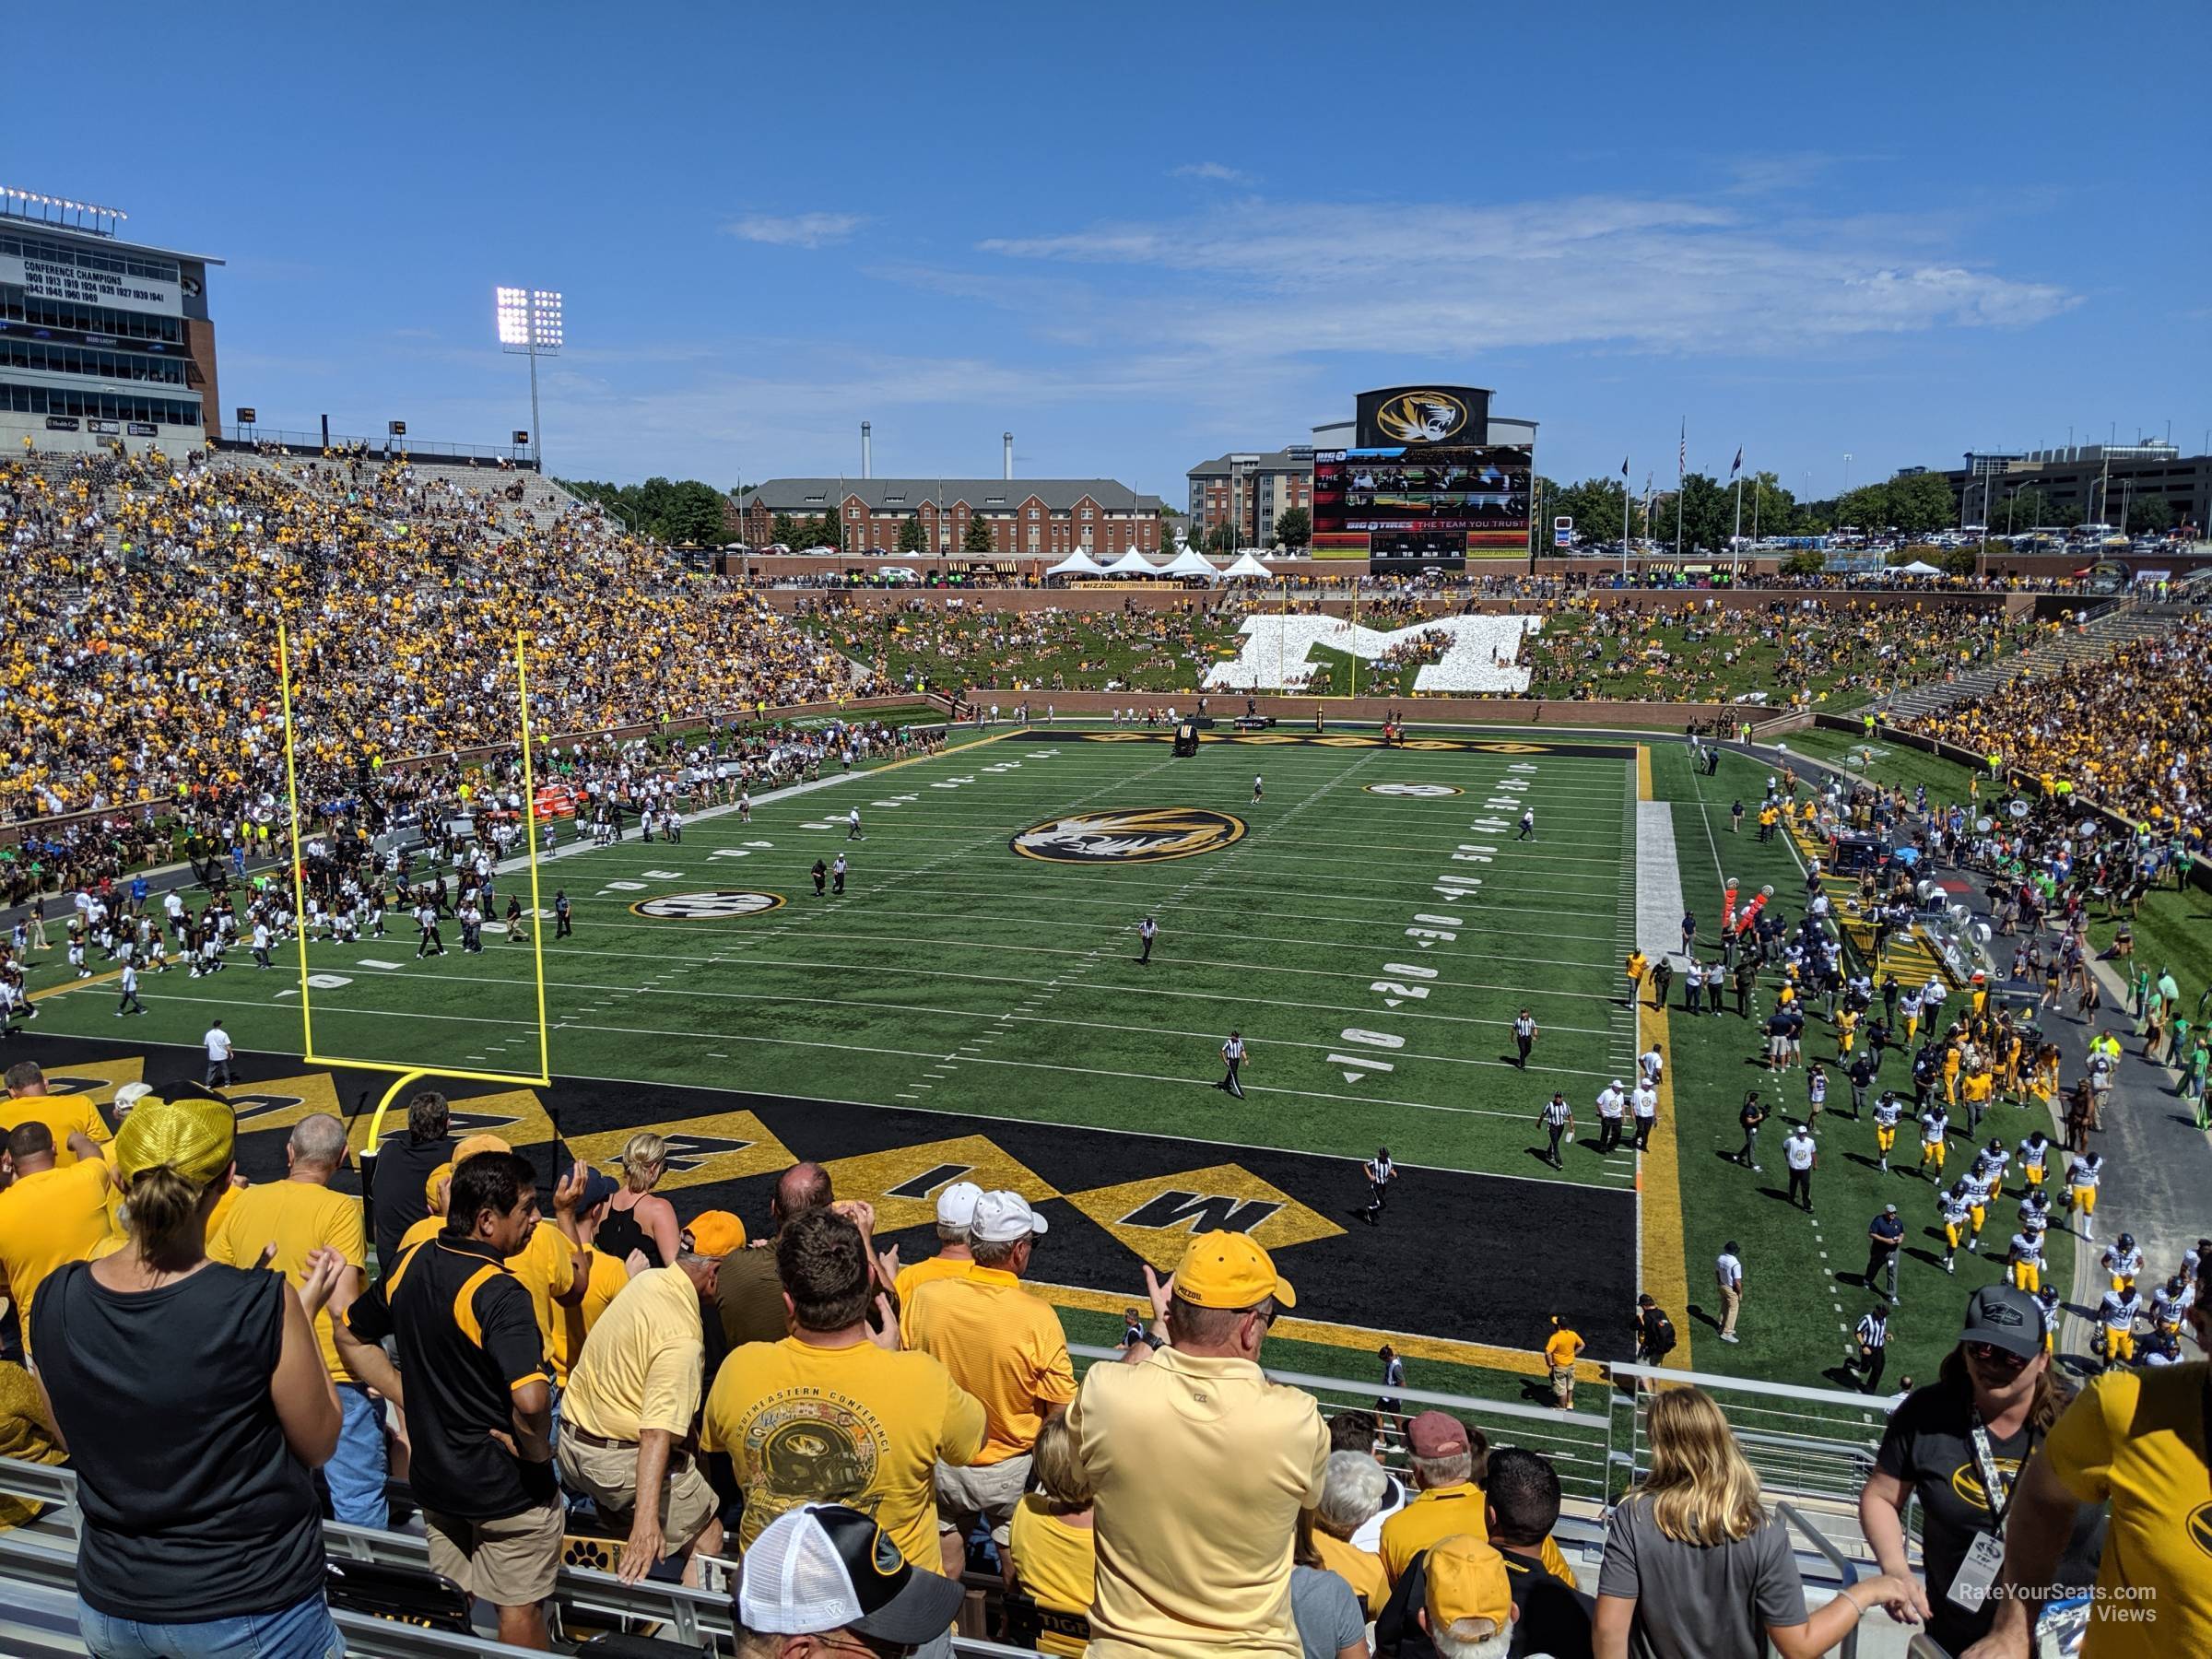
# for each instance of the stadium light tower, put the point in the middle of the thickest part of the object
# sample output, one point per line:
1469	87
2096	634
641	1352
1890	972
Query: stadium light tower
530	324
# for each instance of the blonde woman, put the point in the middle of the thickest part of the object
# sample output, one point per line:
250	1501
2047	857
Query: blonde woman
1695	1567
635	1218
1052	1546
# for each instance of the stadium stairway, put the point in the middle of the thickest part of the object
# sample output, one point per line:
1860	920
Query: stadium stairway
1906	955
2124	622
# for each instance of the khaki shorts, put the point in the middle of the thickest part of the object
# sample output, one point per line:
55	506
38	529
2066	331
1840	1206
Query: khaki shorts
511	1562
994	1491
1563	1381
608	1476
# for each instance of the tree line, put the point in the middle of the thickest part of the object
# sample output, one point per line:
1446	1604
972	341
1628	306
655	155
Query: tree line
668	511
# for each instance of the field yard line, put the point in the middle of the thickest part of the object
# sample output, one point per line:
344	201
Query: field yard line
903	883
931	1055
901	880
1609	860
1046	897
1119	990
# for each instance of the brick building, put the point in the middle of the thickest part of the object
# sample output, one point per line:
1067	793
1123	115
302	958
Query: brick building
1047	517
1251	489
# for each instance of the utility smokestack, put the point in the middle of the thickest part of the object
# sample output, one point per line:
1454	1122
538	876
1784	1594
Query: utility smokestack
1008	440
864	451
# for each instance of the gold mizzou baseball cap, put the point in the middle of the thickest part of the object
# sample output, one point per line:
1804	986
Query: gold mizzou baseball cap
194	1136
1467	1580
1228	1270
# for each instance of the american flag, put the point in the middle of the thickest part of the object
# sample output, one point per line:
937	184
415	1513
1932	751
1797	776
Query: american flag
1682	457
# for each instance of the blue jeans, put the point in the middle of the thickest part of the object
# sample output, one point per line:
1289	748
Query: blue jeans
356	1470
302	1630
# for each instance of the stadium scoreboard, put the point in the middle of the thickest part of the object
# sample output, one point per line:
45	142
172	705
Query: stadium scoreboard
1434	505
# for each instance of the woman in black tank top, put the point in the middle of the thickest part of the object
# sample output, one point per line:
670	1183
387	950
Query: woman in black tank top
195	1406
635	1218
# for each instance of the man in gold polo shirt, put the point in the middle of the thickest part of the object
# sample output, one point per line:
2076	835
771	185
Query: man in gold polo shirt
955	1216
626	1417
1004	1346
1450	1500
1200	1466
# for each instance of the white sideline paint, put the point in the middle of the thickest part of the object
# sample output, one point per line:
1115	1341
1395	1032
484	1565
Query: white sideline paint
1275	650
1659	905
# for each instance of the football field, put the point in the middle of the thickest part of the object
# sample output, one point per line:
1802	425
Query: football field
972	1003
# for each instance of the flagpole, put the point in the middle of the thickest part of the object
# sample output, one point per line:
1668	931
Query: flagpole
1681	476
1736	542
1624	519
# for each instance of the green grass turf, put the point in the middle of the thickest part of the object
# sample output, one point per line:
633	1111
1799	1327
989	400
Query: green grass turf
1789	1327
948	938
1893	763
944	936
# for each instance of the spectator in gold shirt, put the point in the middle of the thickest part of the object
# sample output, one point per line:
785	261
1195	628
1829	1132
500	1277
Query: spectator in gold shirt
1004	1346
1201	1467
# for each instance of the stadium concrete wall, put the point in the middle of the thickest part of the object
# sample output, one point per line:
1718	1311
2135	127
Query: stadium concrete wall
1297	712
1155	596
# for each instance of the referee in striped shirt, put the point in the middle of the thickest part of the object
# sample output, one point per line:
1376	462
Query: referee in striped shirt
1234	1056
1557	1118
1872	1337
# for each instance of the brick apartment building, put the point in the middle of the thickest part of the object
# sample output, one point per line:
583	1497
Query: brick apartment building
1045	517
1251	489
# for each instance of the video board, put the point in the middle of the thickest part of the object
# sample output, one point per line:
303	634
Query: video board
1434	504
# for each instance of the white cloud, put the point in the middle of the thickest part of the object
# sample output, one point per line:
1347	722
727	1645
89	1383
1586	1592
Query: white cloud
1262	278
798	229
1219	172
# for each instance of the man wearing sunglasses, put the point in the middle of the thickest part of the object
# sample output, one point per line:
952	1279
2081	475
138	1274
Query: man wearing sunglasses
825	1578
1199	1465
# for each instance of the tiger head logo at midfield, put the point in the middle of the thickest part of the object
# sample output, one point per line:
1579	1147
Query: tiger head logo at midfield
1129	835
1423	416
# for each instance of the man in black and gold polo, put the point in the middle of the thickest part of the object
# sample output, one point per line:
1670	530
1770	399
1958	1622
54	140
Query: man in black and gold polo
478	1393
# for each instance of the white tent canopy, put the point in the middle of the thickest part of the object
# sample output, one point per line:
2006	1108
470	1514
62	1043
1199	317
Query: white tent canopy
1917	567
1133	563
1248	566
1077	563
1191	562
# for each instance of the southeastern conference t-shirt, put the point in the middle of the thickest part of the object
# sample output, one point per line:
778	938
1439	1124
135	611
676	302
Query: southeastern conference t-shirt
857	1426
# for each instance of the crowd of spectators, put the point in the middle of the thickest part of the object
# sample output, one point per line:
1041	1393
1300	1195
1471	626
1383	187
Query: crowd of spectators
2129	731
224	1365
921	646
139	654
1795	651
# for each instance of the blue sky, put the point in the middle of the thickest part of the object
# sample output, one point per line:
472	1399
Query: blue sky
1141	235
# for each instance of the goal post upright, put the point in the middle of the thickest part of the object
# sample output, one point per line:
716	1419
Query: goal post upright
405	1071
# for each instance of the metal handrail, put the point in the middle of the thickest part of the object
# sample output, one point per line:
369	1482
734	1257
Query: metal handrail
1845	1570
519	456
